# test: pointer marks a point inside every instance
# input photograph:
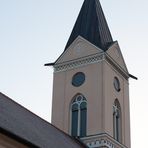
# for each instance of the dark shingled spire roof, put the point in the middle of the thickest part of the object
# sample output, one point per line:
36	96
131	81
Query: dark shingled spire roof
91	25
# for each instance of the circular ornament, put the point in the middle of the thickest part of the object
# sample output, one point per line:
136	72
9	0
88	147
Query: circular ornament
117	84
78	79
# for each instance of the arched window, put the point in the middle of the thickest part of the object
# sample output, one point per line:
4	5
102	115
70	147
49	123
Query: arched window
78	116
117	120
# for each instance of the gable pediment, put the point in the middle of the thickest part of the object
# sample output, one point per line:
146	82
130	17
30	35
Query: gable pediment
115	53
80	48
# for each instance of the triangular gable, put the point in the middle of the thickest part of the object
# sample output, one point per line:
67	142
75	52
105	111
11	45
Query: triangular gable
80	48
115	53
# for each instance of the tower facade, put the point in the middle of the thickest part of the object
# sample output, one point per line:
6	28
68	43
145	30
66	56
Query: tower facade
90	88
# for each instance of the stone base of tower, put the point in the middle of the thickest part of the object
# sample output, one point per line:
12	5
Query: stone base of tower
101	141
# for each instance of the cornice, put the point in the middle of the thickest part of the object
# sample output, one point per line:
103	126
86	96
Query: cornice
78	62
116	66
96	58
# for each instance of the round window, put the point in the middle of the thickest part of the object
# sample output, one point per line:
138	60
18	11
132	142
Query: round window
78	79
117	84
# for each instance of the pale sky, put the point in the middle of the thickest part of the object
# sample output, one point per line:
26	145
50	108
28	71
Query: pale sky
35	32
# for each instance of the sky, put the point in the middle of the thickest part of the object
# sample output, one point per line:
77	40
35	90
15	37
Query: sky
35	32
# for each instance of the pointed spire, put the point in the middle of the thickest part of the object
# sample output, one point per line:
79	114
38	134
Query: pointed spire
91	25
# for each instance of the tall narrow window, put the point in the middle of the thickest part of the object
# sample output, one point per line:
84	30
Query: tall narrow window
74	119
78	116
117	120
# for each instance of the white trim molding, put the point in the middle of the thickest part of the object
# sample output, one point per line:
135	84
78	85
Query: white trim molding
101	140
78	62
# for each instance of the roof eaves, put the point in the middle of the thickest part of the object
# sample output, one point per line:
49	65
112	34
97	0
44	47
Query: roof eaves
133	77
49	64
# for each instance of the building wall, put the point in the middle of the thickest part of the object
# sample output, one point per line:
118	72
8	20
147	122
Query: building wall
91	89
110	94
6	142
98	89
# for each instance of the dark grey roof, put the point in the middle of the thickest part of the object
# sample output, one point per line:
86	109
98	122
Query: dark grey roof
91	25
27	126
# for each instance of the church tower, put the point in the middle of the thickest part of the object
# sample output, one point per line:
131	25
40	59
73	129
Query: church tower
90	87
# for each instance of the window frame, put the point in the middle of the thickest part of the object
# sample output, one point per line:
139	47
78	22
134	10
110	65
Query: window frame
117	121
78	99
